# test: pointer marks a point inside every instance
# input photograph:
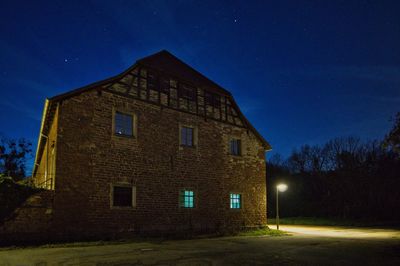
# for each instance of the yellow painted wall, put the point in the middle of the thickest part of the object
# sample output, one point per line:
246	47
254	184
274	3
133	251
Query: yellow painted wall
45	174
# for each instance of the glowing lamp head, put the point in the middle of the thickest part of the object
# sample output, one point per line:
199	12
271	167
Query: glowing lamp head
282	187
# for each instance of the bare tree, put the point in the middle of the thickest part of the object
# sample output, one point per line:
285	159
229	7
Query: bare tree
392	140
13	155
342	152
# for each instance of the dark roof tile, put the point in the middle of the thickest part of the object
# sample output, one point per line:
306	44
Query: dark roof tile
166	62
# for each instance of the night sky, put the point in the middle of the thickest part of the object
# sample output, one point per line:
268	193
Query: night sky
301	71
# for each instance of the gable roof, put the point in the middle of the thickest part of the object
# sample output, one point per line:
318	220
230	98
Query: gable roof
163	62
166	62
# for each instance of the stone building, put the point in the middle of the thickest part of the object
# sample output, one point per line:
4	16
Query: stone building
158	148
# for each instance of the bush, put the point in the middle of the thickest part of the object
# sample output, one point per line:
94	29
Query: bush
12	195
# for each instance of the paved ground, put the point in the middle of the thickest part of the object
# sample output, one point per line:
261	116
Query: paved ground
308	245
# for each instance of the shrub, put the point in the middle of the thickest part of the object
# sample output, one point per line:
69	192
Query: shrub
12	195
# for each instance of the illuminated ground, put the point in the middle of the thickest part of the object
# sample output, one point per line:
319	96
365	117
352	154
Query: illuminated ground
308	245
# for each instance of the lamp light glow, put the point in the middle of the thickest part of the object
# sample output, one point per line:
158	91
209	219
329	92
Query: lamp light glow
279	188
282	187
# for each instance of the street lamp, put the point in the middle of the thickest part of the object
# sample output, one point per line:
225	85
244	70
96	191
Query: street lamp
281	188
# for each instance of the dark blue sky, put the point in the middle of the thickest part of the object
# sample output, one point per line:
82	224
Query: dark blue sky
302	71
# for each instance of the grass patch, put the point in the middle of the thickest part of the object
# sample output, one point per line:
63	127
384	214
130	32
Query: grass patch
309	221
264	232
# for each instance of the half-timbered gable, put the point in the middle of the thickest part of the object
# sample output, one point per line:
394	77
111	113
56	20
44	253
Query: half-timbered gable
157	148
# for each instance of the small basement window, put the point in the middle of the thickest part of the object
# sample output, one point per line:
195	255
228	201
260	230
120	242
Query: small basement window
236	201
123	124
123	196
235	147
186	198
187	136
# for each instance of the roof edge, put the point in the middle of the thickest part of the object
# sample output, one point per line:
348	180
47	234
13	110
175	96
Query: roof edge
139	62
265	143
143	63
44	116
90	86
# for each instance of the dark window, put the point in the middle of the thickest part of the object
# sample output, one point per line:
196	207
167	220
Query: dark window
122	196
213	99
164	85
187	136
187	92
123	124
235	147
217	101
152	81
236	201
186	198
209	98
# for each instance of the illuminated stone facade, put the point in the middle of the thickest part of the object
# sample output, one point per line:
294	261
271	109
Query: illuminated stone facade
90	157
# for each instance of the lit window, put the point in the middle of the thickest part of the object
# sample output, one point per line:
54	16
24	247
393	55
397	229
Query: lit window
123	124
187	136
123	196
235	147
236	201
186	198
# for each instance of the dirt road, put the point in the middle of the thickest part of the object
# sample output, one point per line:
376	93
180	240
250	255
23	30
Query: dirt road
308	245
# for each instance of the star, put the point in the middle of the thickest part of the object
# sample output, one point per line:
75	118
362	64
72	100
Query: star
235	20
65	60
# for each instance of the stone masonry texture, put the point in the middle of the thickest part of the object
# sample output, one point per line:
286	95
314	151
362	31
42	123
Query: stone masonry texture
80	159
90	159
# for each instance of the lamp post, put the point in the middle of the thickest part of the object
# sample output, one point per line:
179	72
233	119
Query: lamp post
281	188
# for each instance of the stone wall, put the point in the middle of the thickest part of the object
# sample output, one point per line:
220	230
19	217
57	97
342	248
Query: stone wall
90	159
31	222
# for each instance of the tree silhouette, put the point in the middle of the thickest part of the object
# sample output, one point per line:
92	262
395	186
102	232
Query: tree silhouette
392	140
13	155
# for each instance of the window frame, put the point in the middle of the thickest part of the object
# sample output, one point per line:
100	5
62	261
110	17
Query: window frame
185	137
124	185
182	198
212	99
238	142
187	92
134	123
194	136
231	198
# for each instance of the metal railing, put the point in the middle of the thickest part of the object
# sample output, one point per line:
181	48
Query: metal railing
46	184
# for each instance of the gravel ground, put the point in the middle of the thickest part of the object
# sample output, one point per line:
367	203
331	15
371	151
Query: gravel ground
307	245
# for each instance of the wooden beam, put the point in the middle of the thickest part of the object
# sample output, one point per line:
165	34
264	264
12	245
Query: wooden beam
139	83
158	87
197	100
169	92
155	103
226	109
